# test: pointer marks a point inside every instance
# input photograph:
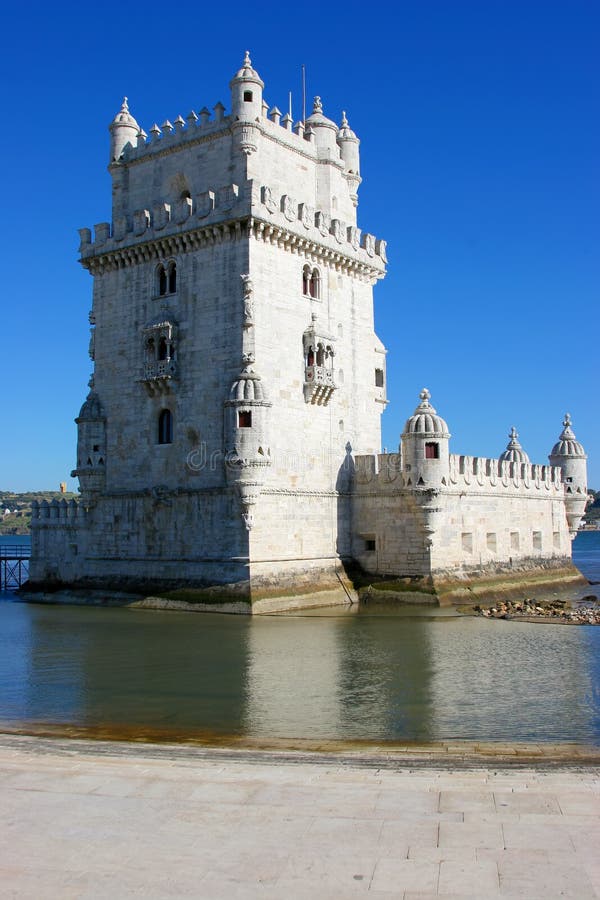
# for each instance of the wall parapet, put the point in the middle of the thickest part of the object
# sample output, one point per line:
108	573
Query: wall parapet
289	216
57	512
465	472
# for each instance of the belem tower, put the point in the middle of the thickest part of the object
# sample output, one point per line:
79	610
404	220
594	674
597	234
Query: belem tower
229	447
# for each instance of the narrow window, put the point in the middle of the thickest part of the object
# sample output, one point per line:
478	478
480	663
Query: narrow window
310	357
315	284
247	96
172	278
320	355
163	349
245	419
514	540
432	450
467	542
491	541
537	540
379	378
162	281
165	427
556	540
306	281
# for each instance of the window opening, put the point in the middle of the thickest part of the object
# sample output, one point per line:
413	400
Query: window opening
244	418
165	427
379	378
172	278
432	450
247	96
162	281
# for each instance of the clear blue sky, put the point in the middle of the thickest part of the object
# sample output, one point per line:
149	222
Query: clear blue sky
479	124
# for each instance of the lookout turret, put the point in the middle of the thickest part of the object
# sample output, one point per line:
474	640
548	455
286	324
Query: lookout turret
348	144
569	454
123	130
425	446
247	92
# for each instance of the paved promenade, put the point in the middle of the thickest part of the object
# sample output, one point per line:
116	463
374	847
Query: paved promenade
101	820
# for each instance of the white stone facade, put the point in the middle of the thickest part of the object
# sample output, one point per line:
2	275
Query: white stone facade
230	439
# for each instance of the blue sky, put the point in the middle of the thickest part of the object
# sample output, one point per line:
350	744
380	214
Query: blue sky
480	136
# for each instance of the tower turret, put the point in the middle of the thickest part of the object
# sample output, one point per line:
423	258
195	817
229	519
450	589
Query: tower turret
247	451
91	448
349	144
123	130
569	454
514	452
425	446
246	92
325	132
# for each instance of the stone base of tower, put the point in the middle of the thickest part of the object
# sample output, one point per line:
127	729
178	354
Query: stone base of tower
554	578
190	550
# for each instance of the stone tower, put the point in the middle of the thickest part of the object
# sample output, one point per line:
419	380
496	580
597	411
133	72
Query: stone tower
234	352
570	456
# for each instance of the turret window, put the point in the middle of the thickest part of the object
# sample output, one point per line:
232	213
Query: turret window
379	378
432	450
245	418
247	96
165	427
311	283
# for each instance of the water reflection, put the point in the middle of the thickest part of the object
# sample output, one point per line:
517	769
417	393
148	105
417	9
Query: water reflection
514	681
378	676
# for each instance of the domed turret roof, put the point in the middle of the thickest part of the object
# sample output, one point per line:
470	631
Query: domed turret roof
247	72
567	444
345	133
248	386
124	117
317	119
514	452
92	408
425	420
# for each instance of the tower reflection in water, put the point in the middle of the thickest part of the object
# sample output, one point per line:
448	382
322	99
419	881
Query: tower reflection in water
348	676
383	675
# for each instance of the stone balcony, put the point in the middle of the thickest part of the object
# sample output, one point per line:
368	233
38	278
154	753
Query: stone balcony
319	385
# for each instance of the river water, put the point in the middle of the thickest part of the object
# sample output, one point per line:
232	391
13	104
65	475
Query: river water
379	675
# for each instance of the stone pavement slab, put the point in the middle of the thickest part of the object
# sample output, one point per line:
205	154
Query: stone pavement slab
99	820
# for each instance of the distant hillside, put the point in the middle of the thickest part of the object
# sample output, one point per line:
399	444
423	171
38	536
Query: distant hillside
18	518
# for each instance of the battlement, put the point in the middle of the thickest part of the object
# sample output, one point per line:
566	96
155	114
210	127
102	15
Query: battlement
57	512
197	127
297	223
466	472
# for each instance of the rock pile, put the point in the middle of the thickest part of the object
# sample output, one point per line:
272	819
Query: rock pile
559	611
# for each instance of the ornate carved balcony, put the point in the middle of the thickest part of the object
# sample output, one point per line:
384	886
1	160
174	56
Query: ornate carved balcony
158	376
319	385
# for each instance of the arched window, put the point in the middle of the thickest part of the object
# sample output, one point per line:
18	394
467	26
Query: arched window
166	279
165	427
162	281
172	278
163	349
320	355
306	281
315	284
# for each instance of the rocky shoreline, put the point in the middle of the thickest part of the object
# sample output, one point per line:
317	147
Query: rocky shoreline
560	612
